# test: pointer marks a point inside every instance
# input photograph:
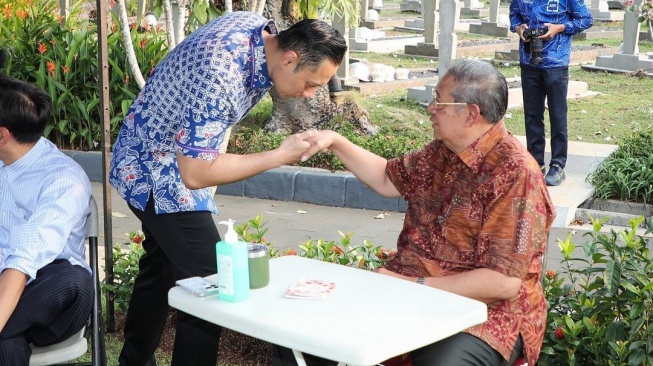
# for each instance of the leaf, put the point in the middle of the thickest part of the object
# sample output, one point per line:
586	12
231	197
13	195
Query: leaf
612	275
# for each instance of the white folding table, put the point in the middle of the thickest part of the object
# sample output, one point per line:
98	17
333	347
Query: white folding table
367	319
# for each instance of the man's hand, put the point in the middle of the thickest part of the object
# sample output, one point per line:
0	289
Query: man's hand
520	31
393	274
12	284
292	148
552	30
319	142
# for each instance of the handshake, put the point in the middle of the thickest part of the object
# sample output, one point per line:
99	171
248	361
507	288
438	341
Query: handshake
302	146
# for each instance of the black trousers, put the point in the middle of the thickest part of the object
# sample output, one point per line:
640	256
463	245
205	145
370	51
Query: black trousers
53	307
539	85
177	246
461	349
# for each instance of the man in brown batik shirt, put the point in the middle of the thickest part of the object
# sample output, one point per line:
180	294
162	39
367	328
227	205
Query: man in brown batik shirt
478	216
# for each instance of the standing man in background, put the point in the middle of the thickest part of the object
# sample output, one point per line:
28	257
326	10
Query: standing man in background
167	156
545	28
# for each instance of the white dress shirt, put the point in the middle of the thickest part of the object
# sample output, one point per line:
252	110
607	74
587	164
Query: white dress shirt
44	202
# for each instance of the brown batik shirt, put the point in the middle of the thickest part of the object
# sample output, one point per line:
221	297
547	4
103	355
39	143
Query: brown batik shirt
487	207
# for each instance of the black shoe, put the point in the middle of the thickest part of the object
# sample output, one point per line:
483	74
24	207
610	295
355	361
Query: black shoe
543	169
555	176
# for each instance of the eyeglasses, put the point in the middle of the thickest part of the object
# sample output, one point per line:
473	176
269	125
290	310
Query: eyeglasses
440	105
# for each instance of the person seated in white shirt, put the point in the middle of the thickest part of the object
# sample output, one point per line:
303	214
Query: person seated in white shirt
46	288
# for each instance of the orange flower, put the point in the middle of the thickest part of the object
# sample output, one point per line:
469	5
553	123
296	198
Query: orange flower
559	333
42	48
7	11
143	42
51	66
53	42
21	14
290	252
65	69
550	273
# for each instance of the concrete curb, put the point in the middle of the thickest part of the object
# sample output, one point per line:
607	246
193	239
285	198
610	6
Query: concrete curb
307	185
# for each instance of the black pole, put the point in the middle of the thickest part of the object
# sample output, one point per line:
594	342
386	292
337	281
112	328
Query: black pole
105	119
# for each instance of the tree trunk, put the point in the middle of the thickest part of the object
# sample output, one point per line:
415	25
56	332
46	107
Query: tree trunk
299	114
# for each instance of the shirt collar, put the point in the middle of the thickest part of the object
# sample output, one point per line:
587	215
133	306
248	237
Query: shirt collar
27	161
474	154
260	75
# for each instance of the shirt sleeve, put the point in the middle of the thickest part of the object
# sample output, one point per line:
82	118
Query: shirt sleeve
209	113
516	17
37	242
581	18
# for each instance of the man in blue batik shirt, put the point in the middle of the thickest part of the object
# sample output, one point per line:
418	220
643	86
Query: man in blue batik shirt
546	76
167	156
46	288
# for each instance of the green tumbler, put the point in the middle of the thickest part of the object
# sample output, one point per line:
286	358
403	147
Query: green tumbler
259	265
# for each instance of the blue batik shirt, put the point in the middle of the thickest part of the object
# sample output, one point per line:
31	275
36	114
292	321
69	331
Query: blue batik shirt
572	13
209	82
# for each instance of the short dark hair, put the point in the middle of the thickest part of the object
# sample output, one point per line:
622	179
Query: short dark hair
25	109
314	41
478	82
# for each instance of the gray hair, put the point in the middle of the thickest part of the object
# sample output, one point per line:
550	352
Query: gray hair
480	83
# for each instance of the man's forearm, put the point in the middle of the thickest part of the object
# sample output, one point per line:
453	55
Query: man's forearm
12	284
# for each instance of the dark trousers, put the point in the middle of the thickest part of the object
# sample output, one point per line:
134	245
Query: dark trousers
551	85
177	246
463	349
460	349
53	307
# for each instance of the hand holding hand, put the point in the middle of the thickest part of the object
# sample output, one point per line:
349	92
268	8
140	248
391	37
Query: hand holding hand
292	148
319	142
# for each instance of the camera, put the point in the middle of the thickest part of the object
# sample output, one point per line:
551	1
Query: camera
533	45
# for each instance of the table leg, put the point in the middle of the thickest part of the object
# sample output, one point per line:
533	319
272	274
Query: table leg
299	357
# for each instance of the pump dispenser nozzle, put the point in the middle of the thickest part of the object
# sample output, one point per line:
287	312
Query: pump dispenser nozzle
230	237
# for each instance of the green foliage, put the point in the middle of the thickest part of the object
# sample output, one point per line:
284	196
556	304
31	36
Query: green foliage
627	173
253	231
386	143
60	56
366	256
600	304
125	270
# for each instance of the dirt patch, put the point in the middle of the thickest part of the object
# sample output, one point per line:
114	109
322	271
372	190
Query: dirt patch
235	348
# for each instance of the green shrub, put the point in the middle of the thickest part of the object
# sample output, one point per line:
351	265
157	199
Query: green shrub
125	271
60	56
627	174
386	143
601	304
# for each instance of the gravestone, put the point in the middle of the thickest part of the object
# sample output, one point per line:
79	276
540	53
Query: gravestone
411	5
491	28
629	60
601	11
429	46
472	8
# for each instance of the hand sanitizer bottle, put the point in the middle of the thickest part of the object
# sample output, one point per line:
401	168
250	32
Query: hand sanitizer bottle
233	272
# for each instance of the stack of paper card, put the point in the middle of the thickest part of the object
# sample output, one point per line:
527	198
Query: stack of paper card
310	289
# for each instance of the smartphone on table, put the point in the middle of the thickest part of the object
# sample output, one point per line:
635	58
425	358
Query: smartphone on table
198	286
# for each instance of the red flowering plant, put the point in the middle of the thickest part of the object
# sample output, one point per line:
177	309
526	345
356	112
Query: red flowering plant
60	56
366	256
125	269
601	301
